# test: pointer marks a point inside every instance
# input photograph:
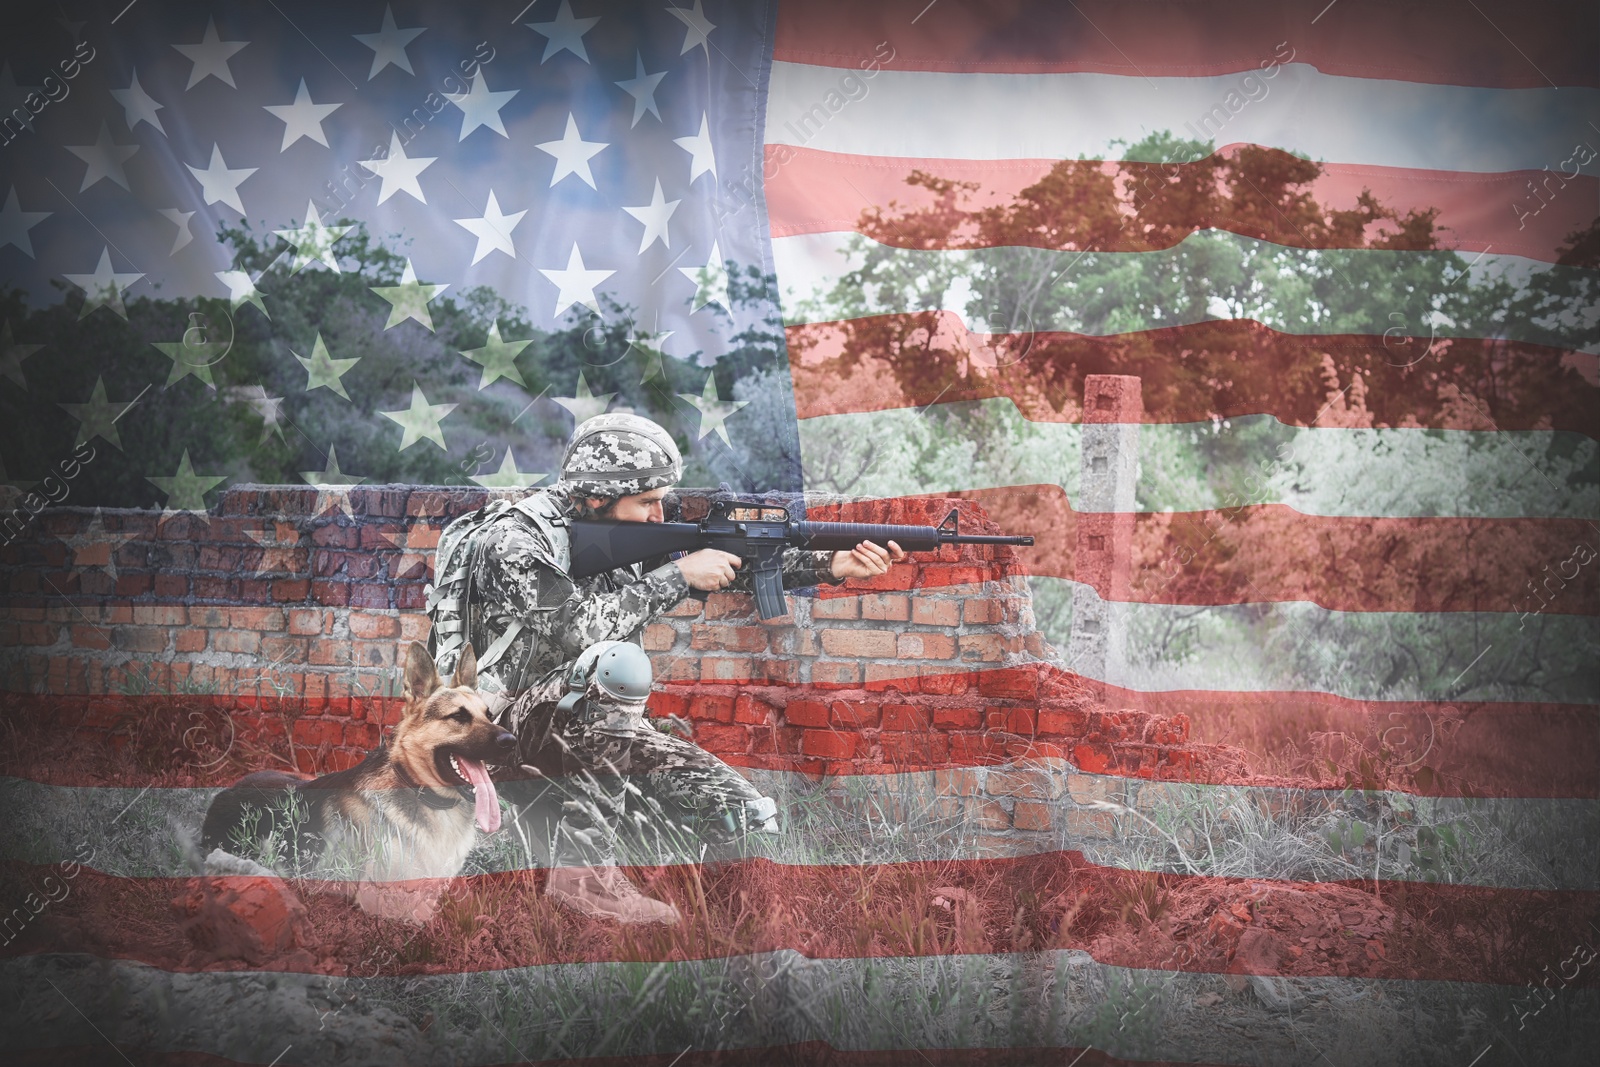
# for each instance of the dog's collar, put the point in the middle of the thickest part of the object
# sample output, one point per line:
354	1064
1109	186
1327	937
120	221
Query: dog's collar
428	796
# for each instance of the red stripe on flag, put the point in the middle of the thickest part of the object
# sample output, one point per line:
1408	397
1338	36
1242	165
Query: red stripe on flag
1418	42
812	191
1194	373
1367	929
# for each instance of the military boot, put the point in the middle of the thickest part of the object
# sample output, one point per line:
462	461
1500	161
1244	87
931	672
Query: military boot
606	893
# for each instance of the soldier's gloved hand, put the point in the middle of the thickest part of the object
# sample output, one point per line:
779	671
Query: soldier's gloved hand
708	569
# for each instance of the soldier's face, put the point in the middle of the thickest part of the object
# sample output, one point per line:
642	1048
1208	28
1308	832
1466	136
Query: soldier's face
640	507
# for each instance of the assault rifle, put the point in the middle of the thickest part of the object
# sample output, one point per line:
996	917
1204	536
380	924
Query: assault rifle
600	545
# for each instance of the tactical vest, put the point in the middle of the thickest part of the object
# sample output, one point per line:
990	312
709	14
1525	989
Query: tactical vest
449	599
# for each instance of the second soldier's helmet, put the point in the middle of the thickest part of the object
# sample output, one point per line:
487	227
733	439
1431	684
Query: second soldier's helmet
619	455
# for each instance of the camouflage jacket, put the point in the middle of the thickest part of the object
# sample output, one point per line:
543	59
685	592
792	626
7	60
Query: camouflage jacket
518	575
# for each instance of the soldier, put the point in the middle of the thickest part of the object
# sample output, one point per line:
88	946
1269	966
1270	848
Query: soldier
564	669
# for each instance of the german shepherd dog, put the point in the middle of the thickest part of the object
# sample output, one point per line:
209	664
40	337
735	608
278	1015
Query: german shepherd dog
408	812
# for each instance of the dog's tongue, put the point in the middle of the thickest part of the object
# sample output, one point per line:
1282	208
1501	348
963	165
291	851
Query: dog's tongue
487	809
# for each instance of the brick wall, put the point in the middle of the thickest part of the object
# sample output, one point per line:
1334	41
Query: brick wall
293	612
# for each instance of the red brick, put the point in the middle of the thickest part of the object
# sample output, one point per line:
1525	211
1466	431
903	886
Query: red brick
370	594
887	607
870	644
729	669
955	781
787	740
333	594
160	614
979	611
935	611
130	584
1032	784
1054	721
219	558
216	588
975	748
711	707
904	717
329	654
829	744
806	713
753	711
283	649
723	740
1015	683
659	637
96	638
956	718
836	674
290	589
989	814
173	585
314	731
727	638
425	503
914	748
687	608
190	641
362	735
838	607
245	641
262	620
1031	815
942	680
414	627
926	646
336	536
852	714
375	653
409	596
1093	759
309	620
423	536
370	626
986	648
730	606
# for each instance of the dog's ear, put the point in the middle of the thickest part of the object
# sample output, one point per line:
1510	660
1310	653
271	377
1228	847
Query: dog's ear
422	677
466	675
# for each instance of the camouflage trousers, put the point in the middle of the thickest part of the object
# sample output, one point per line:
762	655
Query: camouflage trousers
606	794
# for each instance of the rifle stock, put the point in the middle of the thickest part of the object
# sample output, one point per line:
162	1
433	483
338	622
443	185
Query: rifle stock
598	545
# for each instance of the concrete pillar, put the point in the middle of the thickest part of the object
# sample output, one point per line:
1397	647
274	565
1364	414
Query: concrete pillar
1112	410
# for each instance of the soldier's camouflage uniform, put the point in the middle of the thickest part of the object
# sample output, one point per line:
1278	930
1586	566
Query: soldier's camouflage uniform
616	774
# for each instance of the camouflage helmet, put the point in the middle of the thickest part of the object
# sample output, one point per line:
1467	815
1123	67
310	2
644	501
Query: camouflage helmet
619	455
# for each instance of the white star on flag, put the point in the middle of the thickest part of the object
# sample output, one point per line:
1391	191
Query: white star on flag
697	27
584	405
498	358
399	171
576	283
642	87
218	184
420	420
180	219
703	160
138	106
98	416
654	215
186	490
268	407
492	229
281	544
15	223
12	355
103	288
332	486
409	299
572	154
652	346
210	57
105	159
565	33
389	44
96	546
713	412
303	118
242	289
192	356
480	107
711	281
313	242
509	477
322	370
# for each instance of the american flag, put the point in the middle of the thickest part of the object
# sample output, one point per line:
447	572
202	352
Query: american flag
1275	322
